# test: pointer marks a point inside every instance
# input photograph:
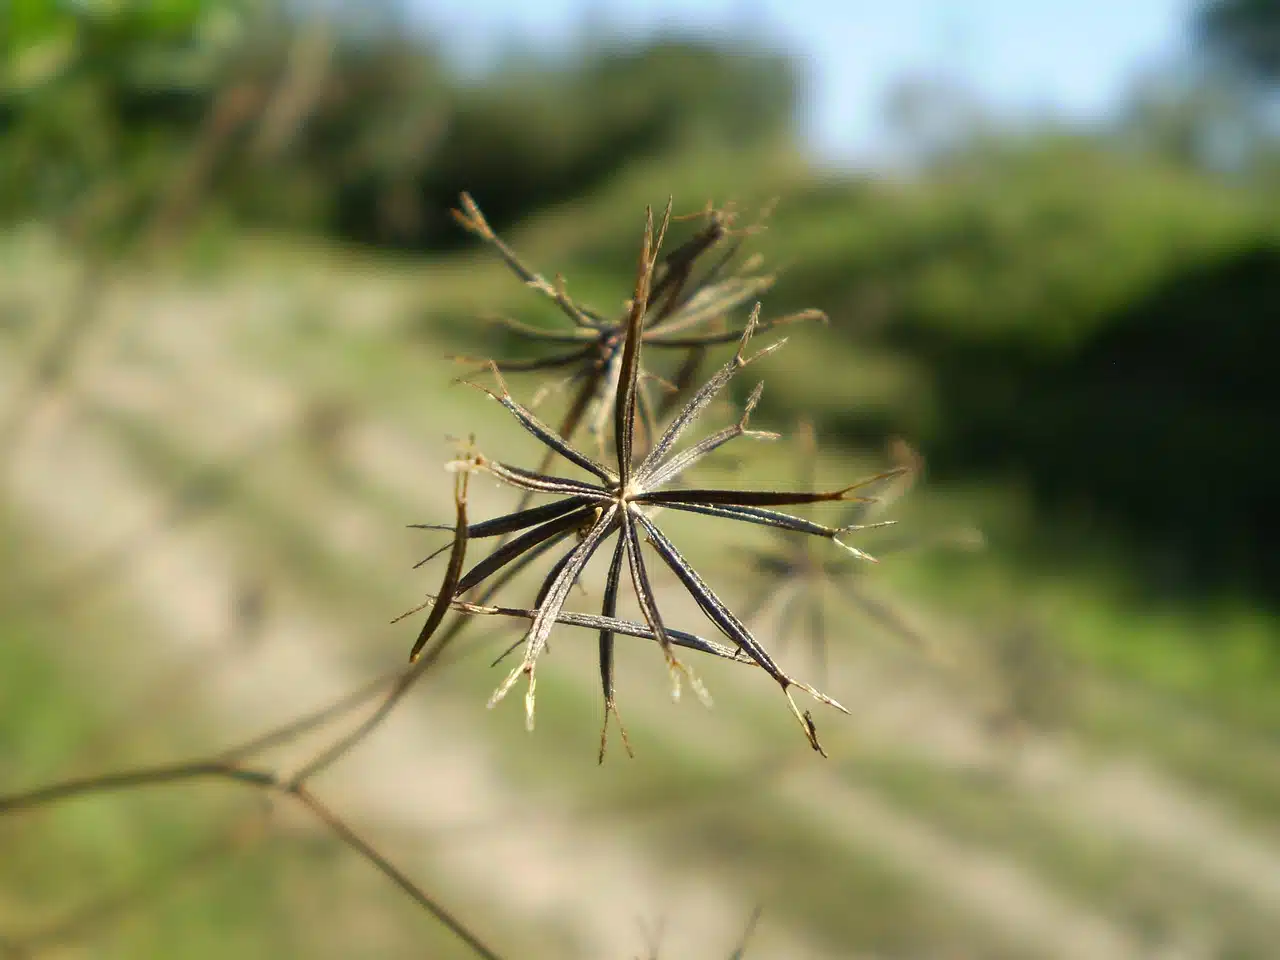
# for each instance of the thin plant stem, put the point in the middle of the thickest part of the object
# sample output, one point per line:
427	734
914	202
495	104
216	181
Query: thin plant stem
259	779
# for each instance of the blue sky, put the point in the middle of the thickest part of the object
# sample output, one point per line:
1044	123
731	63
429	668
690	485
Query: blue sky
1072	58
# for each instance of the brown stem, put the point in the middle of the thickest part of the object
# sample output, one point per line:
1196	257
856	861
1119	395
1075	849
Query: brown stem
390	871
259	779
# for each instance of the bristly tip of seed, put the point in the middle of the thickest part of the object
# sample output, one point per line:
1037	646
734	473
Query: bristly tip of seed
812	730
505	687
805	720
700	689
752	322
467	465
860	554
529	704
822	697
853	527
766	351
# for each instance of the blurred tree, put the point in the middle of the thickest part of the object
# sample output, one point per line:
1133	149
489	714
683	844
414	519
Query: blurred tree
101	99
535	131
1194	118
1087	322
1245	34
351	123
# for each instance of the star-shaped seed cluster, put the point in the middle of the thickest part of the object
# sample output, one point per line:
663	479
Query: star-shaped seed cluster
620	499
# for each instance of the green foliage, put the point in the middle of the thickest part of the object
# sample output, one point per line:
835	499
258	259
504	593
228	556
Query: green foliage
1246	34
1098	328
354	128
523	141
100	100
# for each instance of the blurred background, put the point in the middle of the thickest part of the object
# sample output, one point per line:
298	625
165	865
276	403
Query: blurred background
1047	239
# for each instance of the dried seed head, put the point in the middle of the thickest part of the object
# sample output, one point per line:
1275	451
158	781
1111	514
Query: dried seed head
623	496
